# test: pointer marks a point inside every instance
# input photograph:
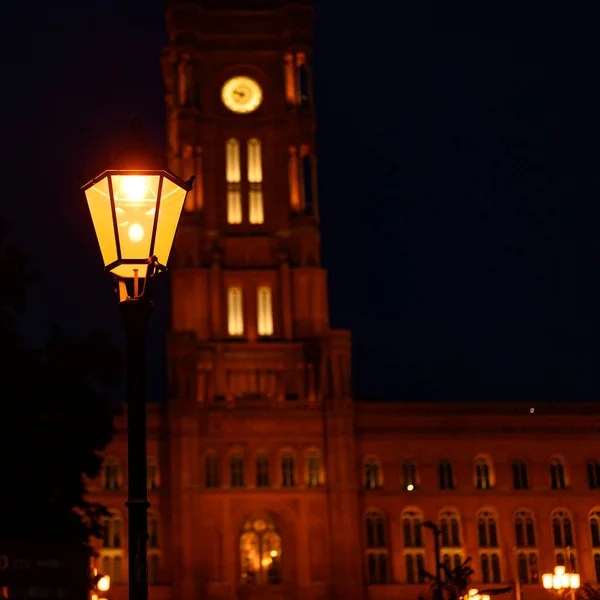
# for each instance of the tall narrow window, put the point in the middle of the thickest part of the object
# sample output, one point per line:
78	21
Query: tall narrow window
377	549
562	529
524	529
255	177
307	180
487	530
519	473
593	473
597	566
483	474
294	179
260	552
112	531
288	470
262	470
290	92
412	522
234	176
235	311
112	474
446	475
264	302
373	478
153	539
409	475
450	529
557	474
211	471
236	466
313	469
152	475
304	85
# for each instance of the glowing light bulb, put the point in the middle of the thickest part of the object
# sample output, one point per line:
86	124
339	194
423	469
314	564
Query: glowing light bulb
104	583
134	186
273	552
410	487
136	233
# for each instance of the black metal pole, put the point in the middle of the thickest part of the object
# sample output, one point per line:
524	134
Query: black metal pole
136	315
438	564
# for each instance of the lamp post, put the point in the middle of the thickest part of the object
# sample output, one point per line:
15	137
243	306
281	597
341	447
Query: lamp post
562	582
438	564
135	209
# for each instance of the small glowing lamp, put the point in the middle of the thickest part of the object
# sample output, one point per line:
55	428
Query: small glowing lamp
559	570
485	597
575	581
273	553
547	580
94	597
103	584
266	562
135	216
473	592
410	487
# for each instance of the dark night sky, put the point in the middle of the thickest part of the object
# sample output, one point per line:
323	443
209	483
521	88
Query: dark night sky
458	174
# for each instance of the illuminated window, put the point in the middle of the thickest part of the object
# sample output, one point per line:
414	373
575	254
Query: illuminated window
260	552
112	531
236	468
211	470
593	473
373	475
450	529
527	567
490	567
409	475
483	473
446	475
290	88
294	179
235	311
412	522
110	563
288	470
487	529
562	529
234	176
557	474
262	470
519	474
152	476
313	469
111	474
255	177
377	549
264	303
524	529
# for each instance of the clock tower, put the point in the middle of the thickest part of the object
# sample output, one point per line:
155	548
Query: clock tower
253	363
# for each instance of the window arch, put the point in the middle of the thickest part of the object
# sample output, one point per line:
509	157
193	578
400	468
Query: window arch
409	475
264	307
557	474
593	474
524	529
112	529
490	567
263	468
594	519
449	529
484	473
520	475
260	552
236	469
377	548
373	473
288	469
152	474
487	529
313	468
211	470
446	475
233	175
255	177
112	478
562	529
235	311
412	522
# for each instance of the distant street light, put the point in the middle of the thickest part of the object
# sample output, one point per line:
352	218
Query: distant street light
135	207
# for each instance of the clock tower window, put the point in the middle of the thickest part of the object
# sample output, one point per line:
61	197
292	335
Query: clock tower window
308	180
264	303
235	311
255	176
233	176
290	85
294	179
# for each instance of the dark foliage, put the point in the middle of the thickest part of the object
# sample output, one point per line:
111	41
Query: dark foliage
54	421
588	592
455	582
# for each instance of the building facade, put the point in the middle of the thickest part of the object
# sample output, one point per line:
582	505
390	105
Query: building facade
266	479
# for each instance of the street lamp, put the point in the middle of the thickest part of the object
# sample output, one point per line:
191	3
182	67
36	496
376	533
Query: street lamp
561	581
135	208
437	592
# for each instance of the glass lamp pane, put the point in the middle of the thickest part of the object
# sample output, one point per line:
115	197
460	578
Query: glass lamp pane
135	206
128	271
98	200
171	205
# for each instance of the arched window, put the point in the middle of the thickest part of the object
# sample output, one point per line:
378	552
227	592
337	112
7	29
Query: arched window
308	180
562	529
294	179
412	522
288	469
490	567
263	478
235	311
111	471
519	475
557	474
112	531
260	552
264	305
373	474
524	529
487	529
527	567
255	177
415	567
152	474
377	549
211	470
593	473
314	475
111	564
409	475
446	475
597	566
236	469
233	177
449	529
595	528
484	476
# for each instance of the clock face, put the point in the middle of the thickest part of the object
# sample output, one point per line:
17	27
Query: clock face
241	94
